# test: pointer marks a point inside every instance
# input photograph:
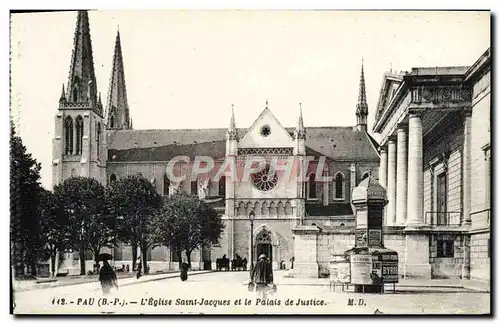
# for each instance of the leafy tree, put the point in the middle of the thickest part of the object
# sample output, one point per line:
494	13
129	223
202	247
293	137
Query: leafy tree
54	228
136	207
189	222
24	197
82	201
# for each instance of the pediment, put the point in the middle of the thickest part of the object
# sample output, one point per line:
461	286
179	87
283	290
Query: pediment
266	132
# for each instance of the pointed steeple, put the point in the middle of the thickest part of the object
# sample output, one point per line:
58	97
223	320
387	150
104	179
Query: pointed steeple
300	131
231	131
63	95
82	86
362	106
117	110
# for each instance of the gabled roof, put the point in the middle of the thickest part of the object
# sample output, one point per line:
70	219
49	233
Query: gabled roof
338	143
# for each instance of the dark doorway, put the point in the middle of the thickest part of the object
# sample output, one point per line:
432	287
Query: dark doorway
266	249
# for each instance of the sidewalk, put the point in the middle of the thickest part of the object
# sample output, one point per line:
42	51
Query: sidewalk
124	280
403	284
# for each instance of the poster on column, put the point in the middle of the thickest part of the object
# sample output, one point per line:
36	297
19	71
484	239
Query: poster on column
361	268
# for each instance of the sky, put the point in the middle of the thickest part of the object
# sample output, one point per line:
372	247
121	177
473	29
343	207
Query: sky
184	69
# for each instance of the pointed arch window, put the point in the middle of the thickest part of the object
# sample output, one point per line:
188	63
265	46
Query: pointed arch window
166	185
75	94
112	179
222	186
112	119
79	134
339	186
68	136
194	187
365	175
312	186
98	139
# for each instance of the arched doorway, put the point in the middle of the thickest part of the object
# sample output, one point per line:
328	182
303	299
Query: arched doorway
263	244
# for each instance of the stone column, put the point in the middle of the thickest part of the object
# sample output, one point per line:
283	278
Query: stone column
306	251
401	177
466	160
382	171
391	183
415	172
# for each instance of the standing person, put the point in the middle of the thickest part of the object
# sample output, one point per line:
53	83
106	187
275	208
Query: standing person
139	269
107	277
262	276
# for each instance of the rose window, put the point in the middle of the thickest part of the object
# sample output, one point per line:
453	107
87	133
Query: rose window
265	181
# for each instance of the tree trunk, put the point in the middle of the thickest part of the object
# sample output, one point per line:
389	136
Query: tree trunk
179	255
144	251
134	255
82	260
188	255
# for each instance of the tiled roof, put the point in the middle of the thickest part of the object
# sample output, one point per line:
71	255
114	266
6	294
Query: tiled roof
339	143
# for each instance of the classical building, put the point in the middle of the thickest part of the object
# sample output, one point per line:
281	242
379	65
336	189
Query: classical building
435	164
95	143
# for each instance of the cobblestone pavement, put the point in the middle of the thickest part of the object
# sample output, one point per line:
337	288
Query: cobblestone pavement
226	293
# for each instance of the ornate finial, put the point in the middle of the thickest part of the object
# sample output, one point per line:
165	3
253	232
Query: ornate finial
266	104
63	94
232	125
300	132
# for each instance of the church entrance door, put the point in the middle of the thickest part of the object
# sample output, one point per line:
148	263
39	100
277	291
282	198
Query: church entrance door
263	245
266	249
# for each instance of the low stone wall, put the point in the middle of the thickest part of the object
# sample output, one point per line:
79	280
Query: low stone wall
480	260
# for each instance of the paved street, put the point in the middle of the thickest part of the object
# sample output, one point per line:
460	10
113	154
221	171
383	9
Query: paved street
219	291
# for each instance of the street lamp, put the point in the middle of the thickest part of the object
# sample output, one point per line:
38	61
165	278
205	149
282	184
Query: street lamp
251	217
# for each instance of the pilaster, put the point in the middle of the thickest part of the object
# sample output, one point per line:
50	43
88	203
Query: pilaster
382	171
466	160
391	182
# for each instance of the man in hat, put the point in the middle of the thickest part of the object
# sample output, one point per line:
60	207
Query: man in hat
262	276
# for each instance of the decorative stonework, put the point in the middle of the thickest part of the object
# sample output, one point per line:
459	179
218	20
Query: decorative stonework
258	151
264	181
440	94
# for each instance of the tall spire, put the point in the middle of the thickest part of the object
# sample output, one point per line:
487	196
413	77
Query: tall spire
117	111
82	86
63	95
231	132
362	106
300	131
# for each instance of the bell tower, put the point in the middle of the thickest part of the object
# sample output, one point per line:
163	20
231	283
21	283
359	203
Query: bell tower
78	144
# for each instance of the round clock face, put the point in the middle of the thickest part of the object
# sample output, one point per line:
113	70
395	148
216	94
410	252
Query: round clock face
264	181
265	130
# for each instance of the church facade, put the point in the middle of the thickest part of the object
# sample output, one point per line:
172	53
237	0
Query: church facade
96	140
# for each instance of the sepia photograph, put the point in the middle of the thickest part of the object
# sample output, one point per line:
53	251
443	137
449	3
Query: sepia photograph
250	162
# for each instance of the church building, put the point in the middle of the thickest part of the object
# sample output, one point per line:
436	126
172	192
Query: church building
97	140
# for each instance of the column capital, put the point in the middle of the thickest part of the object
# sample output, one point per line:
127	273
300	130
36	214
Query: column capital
382	149
414	113
392	139
467	112
402	127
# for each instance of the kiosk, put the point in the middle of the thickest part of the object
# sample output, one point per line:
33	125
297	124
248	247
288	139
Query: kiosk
372	265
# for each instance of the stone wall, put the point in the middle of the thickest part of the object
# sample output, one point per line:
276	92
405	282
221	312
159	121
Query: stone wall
480	136
450	143
449	267
333	243
480	260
